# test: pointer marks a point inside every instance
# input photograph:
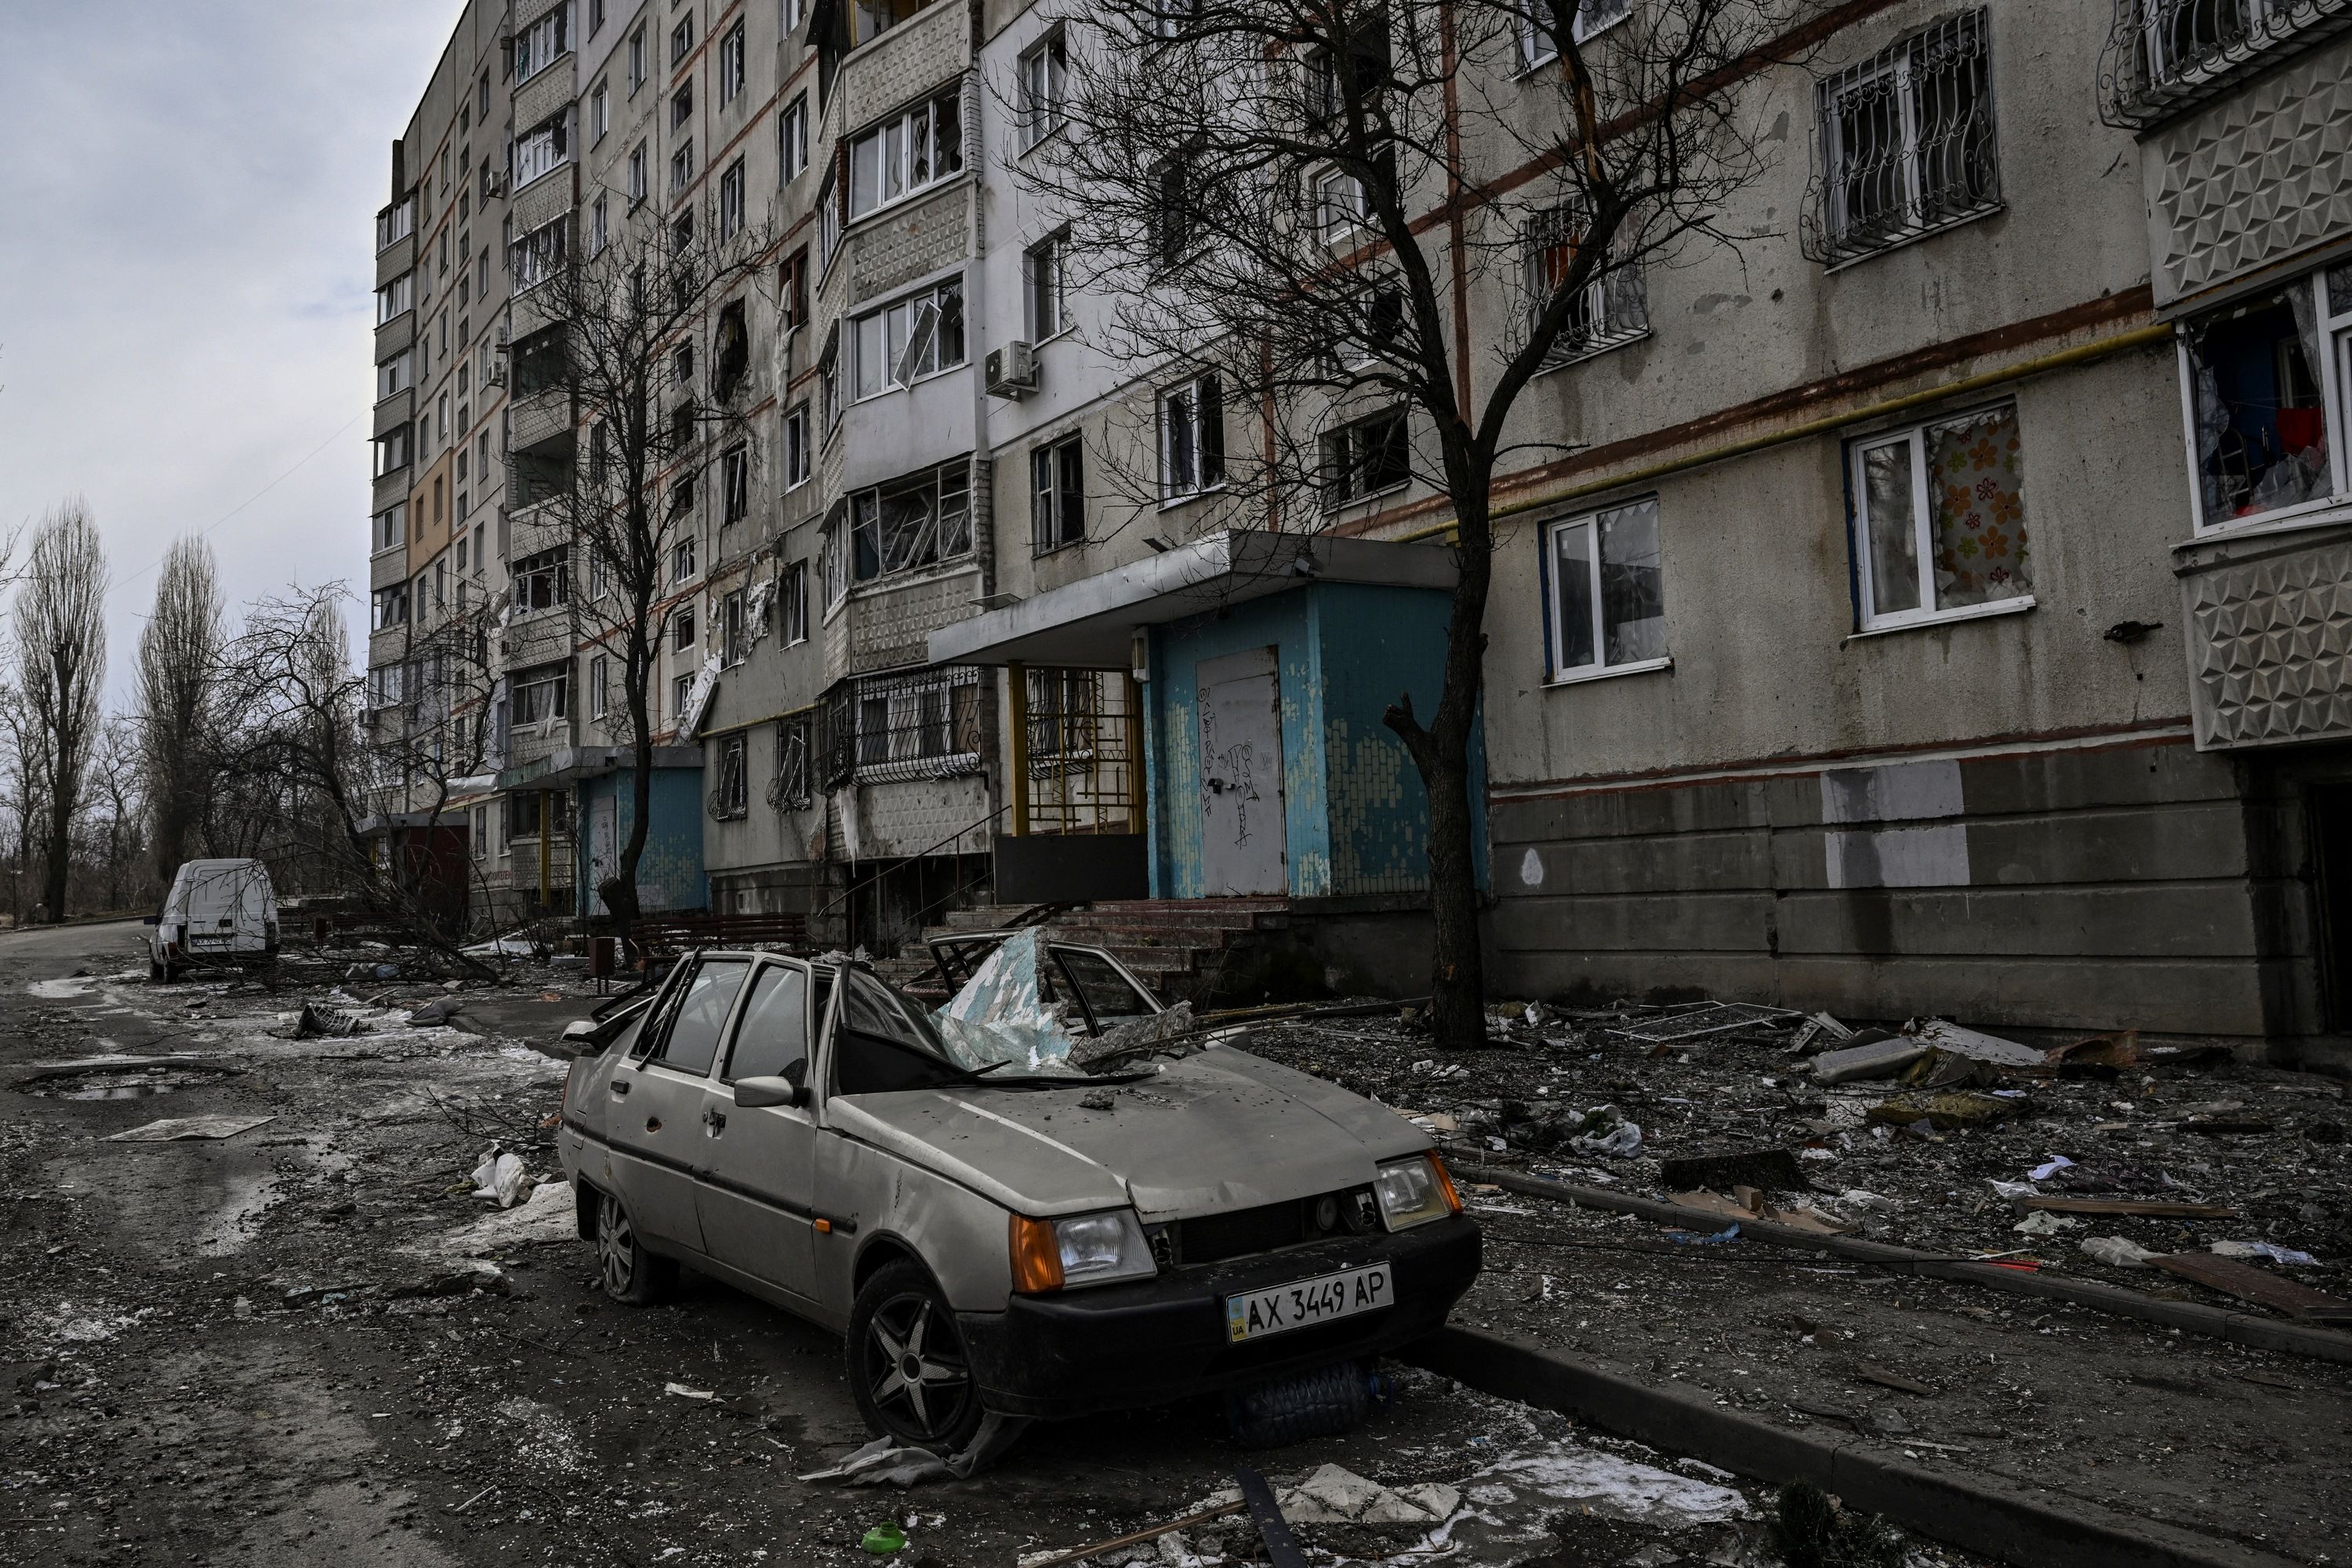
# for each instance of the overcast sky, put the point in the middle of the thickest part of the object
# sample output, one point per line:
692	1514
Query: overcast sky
186	285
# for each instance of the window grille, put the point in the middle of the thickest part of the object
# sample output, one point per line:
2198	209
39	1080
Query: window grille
921	724
788	789
1906	144
2164	56
728	795
1080	752
1611	309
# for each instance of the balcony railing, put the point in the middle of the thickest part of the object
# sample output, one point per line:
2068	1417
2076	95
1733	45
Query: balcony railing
2166	56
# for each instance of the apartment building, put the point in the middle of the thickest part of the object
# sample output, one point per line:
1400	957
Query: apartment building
1933	610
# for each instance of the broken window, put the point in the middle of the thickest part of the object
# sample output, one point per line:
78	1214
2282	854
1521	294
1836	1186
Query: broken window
1538	26
540	45
733	640
911	524
789	790
795	596
1058	496
730	201
1191	437
1906	143
1367	458
542	581
913	150
1607	605
796	446
730	353
1042	70
735	485
539	363
391	606
2257	402
539	253
731	65
542	151
543	694
729	794
1609	309
908	339
1939	521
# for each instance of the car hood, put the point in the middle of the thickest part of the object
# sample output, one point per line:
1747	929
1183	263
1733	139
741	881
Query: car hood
1217	1131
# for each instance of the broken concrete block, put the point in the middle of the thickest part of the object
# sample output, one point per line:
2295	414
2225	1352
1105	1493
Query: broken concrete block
1772	1170
1880	1059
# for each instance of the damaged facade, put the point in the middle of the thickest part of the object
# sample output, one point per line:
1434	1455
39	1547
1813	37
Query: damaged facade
1939	611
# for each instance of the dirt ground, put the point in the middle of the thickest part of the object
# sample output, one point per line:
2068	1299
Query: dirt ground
2243	1445
310	1344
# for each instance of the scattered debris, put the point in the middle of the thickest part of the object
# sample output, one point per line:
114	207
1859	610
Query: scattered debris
1810	1531
883	1539
317	1020
2117	1252
1748	1203
1957	1041
1874	1058
440	1010
685	1393
189	1128
2270	1249
2134	1207
2247	1283
502	1179
1869	1371
1708	1018
1771	1170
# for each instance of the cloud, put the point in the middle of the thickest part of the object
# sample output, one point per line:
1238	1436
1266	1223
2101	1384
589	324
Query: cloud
186	279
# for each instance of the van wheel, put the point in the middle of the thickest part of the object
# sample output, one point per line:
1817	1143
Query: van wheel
906	1363
630	1273
155	973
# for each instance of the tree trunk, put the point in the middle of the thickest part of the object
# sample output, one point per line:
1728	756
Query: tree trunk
60	853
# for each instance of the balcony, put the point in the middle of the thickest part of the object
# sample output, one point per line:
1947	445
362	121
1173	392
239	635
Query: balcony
2166	57
2269	619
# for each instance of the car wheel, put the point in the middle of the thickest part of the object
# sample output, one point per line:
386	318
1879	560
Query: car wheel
630	1273
155	973
906	1363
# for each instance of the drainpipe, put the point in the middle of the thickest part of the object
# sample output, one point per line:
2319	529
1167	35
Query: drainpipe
546	845
1017	677
2082	353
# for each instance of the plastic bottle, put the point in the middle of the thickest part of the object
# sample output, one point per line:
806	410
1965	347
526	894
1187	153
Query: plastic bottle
1323	1403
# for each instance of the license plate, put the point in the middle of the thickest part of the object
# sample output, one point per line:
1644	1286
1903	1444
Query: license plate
1308	1302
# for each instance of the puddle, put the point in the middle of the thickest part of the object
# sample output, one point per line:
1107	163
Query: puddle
62	990
135	1079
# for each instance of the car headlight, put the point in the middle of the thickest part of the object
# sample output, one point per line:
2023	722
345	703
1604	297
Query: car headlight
1084	1249
1415	1191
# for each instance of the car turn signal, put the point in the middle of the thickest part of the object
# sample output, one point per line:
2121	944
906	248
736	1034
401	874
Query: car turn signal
1036	1255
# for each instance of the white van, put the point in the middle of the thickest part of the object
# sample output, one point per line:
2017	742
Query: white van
218	911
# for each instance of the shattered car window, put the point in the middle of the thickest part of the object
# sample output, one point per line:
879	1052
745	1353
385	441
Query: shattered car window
881	1044
1108	995
693	1042
1004	1012
773	1033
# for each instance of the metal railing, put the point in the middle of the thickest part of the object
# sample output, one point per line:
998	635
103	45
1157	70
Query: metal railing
2165	56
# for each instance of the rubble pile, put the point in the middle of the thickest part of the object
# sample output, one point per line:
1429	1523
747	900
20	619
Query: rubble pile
2094	1155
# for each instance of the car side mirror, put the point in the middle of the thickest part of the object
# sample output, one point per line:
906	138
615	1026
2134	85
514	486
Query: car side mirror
756	1093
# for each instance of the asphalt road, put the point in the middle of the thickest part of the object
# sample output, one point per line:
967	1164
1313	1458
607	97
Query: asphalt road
274	1349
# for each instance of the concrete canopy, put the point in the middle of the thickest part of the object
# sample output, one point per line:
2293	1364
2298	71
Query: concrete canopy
570	765
1091	623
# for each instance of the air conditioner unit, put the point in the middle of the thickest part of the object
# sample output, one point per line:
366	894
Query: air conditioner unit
496	375
1011	371
493	186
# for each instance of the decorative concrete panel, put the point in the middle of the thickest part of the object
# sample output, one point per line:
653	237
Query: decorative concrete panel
2259	176
2270	644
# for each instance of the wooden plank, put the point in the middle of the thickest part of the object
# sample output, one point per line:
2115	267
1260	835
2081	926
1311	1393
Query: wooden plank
2139	1209
2248	1283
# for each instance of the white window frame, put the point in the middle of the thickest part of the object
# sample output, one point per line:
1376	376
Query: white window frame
1923	527
884	155
796	594
636	59
600	114
905	334
732	200
639	158
1043	77
1341	211
600	695
540	254
1043	262
789	14
391	527
1535	41
1050	501
681	166
792	139
1556	632
395	299
600	226
396	374
543	151
542	44
797	464
1340	456
731	58
1189	392
2335	374
395	222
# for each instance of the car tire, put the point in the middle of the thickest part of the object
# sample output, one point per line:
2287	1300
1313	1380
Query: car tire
154	971
630	1274
906	1363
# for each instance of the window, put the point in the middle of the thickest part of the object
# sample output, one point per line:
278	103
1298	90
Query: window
790	15
599	224
1939	524
540	255
792	290
391	607
681	104
392	453
1907	142
1042	68
600	575
1339	209
872	18
1538	26
733	640
728	797
595	18
731	65
790	790
600	114
681	167
1367	458
1369	68
543	151
792	138
833	555
681	556
1057	495
2256	374
681	40
908	525
391	525
636	60
796	447
1041	280
637	173
918	148
908	339
393	376
1172	216
681	628
600	686
922	725
538	46
734	485
543	694
828	377
730	201
796	594
1169	17
1191	438
681	688
395	222
395	299
387	685
542	581
1608	608
1611	309
828	220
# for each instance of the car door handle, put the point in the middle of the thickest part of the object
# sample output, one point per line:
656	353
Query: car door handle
715	1119
620	1086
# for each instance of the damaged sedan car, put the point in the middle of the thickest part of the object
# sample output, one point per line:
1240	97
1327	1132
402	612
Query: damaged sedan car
1052	1198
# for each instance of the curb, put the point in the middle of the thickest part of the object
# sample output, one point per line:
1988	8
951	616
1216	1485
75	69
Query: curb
1975	1513
2190	1317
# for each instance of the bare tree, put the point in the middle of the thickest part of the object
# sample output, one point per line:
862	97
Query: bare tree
616	340
179	676
60	665
1291	205
116	840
